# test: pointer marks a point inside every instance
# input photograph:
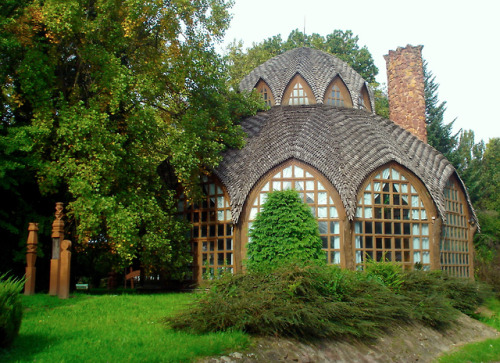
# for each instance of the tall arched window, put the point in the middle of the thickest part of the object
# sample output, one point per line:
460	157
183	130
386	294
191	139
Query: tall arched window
364	99
392	221
455	249
298	92
314	190
337	94
211	231
265	92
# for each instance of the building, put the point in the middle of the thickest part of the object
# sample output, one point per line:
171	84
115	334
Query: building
376	187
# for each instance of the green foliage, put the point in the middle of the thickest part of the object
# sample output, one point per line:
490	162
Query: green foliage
11	309
96	95
325	301
487	264
284	231
87	328
389	273
439	134
303	302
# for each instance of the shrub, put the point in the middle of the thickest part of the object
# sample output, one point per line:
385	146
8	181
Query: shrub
297	301
284	231
487	265
429	303
388	273
10	309
324	301
465	295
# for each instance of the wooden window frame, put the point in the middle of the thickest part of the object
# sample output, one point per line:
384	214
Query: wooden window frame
364	99
265	92
456	247
346	100
287	95
212	233
395	231
334	235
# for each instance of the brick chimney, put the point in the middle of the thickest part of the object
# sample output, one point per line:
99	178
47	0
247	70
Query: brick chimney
405	83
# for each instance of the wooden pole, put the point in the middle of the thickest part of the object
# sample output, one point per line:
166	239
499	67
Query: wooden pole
57	237
64	269
29	285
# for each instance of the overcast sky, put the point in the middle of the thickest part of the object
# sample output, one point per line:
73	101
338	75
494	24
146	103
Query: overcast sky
461	42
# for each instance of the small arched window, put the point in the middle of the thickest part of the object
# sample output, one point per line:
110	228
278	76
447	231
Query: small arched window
337	94
265	93
298	92
364	100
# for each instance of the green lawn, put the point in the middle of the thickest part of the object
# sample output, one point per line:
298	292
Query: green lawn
485	351
110	328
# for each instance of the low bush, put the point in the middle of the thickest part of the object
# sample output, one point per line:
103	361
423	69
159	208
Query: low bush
388	273
487	266
325	301
11	310
429	301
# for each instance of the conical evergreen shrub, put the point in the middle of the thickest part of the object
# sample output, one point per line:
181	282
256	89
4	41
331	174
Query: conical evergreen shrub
285	231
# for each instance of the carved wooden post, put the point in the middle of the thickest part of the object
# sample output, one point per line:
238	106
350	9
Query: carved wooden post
64	269
57	237
29	285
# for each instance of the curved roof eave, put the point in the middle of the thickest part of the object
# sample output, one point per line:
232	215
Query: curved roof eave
344	144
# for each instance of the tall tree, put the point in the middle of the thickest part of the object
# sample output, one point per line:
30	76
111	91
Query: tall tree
97	94
439	134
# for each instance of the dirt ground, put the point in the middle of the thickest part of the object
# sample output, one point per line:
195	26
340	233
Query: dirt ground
408	343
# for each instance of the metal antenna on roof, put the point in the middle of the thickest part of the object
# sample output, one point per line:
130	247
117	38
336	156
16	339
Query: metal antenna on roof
304	25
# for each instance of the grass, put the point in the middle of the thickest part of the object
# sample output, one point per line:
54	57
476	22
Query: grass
485	351
110	328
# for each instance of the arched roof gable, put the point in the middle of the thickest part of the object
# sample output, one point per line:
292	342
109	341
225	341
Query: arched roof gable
316	67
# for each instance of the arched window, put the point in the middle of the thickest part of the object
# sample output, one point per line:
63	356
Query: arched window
265	93
211	231
337	94
455	249
364	100
298	92
392	222
314	190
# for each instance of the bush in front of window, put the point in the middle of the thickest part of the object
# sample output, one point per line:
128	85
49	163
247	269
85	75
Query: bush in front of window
284	231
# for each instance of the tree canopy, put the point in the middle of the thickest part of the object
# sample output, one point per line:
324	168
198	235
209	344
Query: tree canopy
97	94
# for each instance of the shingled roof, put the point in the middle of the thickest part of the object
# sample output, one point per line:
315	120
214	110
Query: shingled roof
316	67
344	144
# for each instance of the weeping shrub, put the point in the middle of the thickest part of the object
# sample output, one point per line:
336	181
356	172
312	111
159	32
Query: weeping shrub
10	309
319	301
297	301
284	231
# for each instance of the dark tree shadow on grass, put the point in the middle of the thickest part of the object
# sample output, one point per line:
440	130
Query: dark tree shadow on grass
26	346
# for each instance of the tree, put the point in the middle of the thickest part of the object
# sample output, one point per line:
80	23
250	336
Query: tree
97	94
284	231
439	134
